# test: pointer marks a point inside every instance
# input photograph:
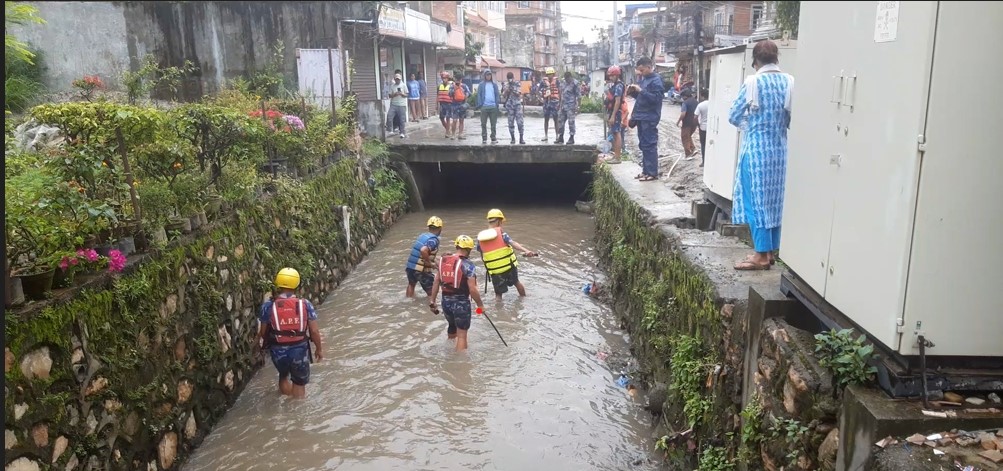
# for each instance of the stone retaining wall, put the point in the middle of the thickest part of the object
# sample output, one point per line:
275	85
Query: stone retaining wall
132	371
734	380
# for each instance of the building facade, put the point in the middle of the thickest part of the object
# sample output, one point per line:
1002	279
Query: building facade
576	57
538	24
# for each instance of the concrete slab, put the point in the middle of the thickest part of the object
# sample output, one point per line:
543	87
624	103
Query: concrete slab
868	415
713	253
588	133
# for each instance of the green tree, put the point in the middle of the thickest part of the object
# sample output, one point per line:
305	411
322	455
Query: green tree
788	13
17	13
472	48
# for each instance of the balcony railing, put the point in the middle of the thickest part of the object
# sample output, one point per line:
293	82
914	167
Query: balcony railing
686	40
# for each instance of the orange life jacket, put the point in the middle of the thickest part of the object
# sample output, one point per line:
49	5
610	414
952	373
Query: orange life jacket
288	323
555	90
454	281
498	256
443	95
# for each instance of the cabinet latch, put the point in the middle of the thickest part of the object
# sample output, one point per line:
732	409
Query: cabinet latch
921	143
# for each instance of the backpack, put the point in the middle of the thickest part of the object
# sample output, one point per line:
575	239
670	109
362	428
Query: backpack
458	95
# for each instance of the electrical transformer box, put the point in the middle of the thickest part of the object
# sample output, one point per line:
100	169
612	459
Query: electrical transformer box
893	210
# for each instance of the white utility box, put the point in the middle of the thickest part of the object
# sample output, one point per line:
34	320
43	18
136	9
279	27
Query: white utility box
893	210
728	69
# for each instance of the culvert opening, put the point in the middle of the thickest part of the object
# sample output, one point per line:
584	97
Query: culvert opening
463	184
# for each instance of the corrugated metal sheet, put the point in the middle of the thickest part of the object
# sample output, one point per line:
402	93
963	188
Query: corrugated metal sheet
431	80
364	63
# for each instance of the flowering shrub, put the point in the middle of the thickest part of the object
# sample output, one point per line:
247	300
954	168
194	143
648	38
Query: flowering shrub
88	85
116	261
276	121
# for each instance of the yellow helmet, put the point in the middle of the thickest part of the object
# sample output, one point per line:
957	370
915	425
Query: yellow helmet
434	221
287	278
550	71
496	214
464	242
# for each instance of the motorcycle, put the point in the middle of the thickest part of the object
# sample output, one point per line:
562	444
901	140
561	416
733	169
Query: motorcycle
676	96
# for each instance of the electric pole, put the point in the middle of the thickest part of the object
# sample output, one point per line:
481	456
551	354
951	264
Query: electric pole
698	28
615	40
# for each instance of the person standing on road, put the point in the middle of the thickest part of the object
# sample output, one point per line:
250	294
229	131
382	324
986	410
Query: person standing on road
571	93
551	92
512	97
459	93
445	102
398	105
702	112
488	99
762	111
287	326
496	248
413	98
458	279
421	260
647	112
688	122
616	109
423	94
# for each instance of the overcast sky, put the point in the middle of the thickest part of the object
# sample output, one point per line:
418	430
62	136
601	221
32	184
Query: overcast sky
580	17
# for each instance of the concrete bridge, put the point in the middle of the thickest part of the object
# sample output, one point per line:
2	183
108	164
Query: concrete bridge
446	171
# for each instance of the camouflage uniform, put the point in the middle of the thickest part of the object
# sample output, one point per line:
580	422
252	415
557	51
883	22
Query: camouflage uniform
570	92
513	108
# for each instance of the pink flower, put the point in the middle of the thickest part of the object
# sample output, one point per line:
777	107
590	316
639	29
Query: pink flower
74	261
116	261
64	263
90	254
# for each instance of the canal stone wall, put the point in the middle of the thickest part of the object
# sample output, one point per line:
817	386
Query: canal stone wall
132	371
742	389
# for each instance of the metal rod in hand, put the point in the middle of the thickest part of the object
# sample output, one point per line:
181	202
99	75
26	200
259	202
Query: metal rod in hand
493	327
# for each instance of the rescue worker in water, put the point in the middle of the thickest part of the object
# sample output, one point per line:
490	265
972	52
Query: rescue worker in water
496	248
421	261
287	326
458	280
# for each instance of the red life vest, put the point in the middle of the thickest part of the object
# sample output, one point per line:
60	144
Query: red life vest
288	322
451	276
555	90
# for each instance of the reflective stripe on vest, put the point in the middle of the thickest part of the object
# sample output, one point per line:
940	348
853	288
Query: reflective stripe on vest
414	260
443	95
289	321
454	281
555	90
497	255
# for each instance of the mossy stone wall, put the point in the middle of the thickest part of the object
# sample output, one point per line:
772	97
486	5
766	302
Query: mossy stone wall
132	371
684	334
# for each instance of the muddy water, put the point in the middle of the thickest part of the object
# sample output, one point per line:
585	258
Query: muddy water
392	394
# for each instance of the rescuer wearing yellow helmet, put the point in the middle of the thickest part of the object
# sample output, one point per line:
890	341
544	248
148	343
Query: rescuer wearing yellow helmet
458	280
287	326
551	91
496	248
421	261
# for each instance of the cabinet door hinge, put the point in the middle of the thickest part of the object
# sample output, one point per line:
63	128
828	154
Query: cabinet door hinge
921	143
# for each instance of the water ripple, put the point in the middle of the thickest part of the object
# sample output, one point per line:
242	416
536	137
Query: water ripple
392	394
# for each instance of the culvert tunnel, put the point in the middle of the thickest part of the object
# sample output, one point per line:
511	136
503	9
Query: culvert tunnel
458	176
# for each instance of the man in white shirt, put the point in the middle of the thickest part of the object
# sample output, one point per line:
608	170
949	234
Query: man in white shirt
701	113
398	104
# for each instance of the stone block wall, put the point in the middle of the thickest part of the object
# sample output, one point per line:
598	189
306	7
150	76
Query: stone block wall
689	330
687	337
132	371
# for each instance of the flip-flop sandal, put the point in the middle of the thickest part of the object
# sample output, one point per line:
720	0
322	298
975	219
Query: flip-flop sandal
746	265
639	176
647	178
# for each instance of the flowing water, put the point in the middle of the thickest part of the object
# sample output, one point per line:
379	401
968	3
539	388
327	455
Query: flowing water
393	394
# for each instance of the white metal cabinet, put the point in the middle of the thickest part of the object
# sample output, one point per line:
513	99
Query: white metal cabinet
815	143
907	188
727	73
884	103
955	277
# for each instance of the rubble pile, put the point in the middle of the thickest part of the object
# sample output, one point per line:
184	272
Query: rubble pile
967	450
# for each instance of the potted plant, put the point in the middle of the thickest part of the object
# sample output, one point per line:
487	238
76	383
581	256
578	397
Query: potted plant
33	231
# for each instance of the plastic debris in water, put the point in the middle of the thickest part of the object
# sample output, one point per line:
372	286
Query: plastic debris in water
622	381
601	355
587	288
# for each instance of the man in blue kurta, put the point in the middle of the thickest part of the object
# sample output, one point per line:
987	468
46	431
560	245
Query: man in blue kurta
762	111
